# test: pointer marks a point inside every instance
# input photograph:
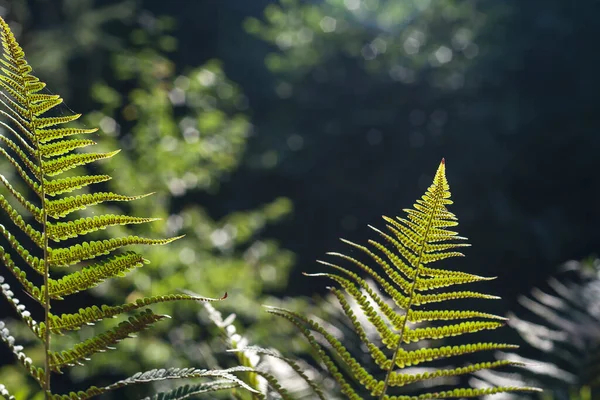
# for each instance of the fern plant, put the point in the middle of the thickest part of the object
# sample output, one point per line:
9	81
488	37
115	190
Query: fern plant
386	328
43	149
559	323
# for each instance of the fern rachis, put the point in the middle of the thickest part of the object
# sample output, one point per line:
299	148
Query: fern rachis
41	148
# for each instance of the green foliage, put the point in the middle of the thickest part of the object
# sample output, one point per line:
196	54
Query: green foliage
195	119
440	34
391	325
40	150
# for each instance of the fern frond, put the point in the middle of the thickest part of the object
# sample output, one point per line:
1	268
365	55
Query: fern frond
412	244
66	185
35	211
39	145
65	206
156	375
18	220
188	391
91	315
397	379
34	262
275	354
559	323
19	308
57	166
33	291
65	146
35	372
72	229
35	187
46	135
420	299
19	152
446	315
93	275
63	257
5	394
82	351
366	379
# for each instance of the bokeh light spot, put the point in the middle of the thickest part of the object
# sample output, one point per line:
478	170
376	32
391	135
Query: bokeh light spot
328	24
352	5
443	55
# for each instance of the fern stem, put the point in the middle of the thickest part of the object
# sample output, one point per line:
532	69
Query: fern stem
46	299
410	297
46	339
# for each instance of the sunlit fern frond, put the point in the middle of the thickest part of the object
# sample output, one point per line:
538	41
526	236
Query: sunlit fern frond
402	265
190	391
262	376
5	394
228	380
43	188
559	323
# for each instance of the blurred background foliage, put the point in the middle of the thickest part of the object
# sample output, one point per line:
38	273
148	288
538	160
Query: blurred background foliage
269	128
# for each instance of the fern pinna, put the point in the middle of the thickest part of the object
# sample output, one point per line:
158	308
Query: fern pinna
411	245
41	149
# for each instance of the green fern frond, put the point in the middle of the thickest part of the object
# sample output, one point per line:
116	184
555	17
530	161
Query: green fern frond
36	373
32	290
297	369
63	257
35	211
65	206
82	351
5	394
65	185
19	308
95	274
91	315
62	147
58	165
72	229
156	375
188	391
246	356
41	146
46	135
411	245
